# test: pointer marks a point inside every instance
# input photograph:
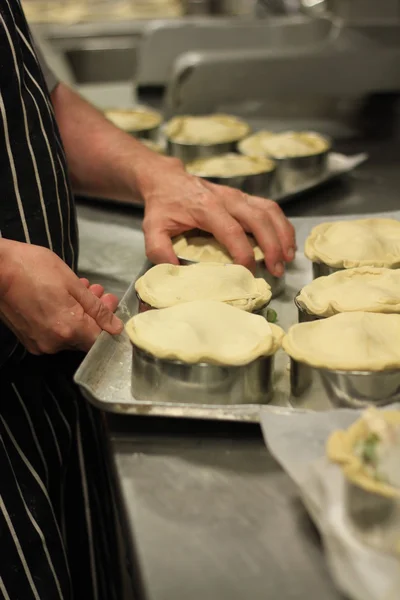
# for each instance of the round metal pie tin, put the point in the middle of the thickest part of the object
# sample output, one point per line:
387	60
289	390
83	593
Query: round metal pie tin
303	315
188	152
350	389
175	382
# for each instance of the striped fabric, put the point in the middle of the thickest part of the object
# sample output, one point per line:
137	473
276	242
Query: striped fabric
57	510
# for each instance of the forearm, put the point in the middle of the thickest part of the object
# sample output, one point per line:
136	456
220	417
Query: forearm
103	161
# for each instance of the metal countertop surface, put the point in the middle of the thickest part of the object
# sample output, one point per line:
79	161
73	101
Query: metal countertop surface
212	514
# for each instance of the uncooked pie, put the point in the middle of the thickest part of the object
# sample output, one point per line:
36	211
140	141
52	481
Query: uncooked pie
204	331
353	341
288	144
369	289
205	248
168	285
135	119
363	242
206	130
369	452
230	165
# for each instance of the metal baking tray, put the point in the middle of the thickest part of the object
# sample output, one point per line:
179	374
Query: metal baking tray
337	165
105	374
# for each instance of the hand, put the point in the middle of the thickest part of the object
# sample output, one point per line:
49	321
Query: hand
46	305
176	202
110	301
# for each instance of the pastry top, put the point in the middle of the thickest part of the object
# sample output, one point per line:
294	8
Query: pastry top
206	130
205	248
133	119
204	331
287	144
359	243
166	285
152	145
230	165
369	452
368	289
353	341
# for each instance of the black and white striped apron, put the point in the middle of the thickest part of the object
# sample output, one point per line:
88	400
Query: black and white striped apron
57	523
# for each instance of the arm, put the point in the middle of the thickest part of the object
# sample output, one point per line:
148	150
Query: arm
104	161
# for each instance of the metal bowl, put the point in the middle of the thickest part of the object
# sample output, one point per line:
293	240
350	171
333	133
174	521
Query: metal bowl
189	152
351	389
173	381
277	284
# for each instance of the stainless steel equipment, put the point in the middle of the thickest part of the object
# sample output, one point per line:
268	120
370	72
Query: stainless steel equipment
257	184
164	43
352	389
157	380
321	269
348	65
304	315
189	152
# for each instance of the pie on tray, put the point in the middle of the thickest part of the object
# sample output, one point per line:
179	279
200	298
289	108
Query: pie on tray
204	331
168	285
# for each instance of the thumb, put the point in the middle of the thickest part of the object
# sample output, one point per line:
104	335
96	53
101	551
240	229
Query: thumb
98	311
159	248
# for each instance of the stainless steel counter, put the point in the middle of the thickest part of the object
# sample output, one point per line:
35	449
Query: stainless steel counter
212	514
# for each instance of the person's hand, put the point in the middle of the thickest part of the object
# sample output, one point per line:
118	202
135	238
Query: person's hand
110	301
176	201
46	305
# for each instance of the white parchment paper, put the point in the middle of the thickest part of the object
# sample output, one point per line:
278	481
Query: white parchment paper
297	442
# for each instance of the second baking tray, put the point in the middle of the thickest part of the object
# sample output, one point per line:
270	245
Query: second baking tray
338	165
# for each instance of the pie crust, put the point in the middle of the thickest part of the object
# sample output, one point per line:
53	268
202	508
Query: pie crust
369	289
288	144
135	119
230	165
353	341
340	449
204	331
206	130
359	243
205	248
167	285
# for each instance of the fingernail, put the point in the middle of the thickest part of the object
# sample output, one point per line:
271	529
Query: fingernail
290	253
279	269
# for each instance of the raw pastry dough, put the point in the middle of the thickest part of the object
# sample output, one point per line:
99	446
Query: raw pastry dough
230	165
353	341
206	130
204	248
204	331
152	145
341	449
287	144
135	119
347	244
367	289
166	285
